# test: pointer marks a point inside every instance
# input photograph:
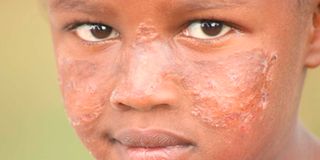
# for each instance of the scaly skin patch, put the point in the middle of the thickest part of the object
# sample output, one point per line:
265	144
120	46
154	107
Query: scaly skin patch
81	90
231	91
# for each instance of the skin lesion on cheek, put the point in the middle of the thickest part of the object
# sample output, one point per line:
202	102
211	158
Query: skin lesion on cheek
84	115
83	110
80	81
232	90
77	69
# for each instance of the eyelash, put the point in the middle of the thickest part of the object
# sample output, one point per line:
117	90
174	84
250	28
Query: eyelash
75	24
72	26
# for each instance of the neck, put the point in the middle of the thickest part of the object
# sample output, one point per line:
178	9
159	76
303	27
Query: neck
301	145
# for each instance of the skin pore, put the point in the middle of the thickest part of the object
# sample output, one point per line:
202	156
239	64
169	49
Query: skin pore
225	76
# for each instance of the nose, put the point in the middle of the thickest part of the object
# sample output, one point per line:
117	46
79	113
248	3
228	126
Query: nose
145	85
142	100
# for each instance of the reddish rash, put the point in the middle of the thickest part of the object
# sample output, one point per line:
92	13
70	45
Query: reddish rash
80	88
85	82
225	91
146	33
232	90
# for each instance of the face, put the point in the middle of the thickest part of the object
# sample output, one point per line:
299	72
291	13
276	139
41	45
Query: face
183	79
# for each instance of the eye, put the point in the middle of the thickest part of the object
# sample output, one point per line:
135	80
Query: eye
207	29
96	32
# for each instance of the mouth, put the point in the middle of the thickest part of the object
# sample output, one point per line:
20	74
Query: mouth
133	144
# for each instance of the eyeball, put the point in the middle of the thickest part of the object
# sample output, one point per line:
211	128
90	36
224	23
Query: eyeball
96	32
207	29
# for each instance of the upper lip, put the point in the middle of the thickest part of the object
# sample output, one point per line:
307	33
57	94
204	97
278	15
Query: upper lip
137	138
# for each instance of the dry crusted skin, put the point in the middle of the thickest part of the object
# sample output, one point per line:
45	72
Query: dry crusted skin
227	90
232	90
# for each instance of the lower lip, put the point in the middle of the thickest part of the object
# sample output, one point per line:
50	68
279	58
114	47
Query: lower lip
158	153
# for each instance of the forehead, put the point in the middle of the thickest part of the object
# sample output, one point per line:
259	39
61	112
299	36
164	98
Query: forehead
143	4
163	5
158	6
71	3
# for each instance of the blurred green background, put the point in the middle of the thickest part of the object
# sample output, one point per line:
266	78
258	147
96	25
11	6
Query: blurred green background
33	125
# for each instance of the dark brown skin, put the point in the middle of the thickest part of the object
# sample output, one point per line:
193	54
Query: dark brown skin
235	95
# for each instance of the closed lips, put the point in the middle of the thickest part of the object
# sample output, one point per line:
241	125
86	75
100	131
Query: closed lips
150	139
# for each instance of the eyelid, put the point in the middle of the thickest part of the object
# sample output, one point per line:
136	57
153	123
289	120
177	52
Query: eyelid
236	24
74	25
237	29
193	31
226	22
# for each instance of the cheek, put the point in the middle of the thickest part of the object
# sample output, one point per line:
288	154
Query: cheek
84	97
230	91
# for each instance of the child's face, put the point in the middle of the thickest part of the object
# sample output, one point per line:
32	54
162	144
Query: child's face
180	79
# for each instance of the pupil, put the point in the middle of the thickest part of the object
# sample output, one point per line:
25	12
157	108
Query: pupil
211	28
100	31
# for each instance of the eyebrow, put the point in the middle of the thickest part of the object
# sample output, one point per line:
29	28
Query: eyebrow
211	4
85	6
67	4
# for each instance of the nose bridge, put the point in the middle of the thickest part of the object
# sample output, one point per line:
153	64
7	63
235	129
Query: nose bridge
143	85
147	66
146	57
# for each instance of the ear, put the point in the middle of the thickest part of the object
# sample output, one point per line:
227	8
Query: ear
312	59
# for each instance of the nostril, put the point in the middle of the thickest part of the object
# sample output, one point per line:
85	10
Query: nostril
121	107
125	98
